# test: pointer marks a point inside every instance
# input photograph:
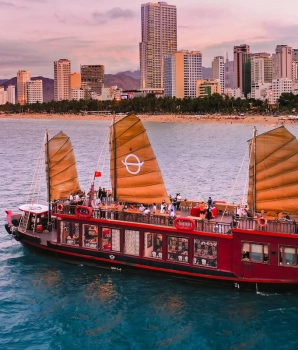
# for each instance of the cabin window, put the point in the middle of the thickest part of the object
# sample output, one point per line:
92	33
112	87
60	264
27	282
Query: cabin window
90	236
153	245
205	253
110	239
132	242
255	252
69	233
178	249
288	256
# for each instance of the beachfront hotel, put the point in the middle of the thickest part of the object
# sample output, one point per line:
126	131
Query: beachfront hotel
34	91
218	71
159	38
241	65
93	78
62	70
11	94
23	76
181	71
282	62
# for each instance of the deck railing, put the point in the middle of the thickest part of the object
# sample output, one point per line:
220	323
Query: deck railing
278	226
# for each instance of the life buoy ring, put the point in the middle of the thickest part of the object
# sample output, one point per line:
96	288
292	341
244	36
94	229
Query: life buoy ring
262	221
186	224
60	207
83	212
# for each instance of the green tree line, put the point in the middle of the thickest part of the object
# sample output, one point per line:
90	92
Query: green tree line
216	103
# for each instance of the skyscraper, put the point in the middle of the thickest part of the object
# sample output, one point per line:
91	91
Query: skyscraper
62	70
218	71
159	38
23	76
181	71
34	91
11	94
241	56
93	77
282	62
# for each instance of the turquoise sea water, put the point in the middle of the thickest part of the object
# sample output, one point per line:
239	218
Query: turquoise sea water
47	304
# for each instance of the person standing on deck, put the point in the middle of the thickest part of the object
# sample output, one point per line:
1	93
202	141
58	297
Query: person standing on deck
99	193
210	203
179	198
103	195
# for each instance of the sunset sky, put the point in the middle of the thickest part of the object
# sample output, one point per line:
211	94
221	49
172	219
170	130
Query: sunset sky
35	33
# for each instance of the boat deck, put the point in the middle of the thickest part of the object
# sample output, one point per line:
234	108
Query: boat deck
221	224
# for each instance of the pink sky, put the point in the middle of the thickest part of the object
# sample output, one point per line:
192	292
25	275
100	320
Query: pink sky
35	33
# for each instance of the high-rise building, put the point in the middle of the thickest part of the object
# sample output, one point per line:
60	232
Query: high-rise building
208	87
75	81
218	71
295	70
23	76
295	54
3	96
11	94
241	69
282	62
93	78
159	38
181	71
34	91
280	86
261	68
62	70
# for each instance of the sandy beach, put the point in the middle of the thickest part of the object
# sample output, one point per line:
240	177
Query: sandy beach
166	118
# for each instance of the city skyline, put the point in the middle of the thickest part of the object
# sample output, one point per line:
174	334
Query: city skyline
108	33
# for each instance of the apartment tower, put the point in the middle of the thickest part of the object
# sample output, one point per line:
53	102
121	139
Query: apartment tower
218	71
93	78
34	91
62	70
23	76
181	71
11	94
282	62
159	38
241	58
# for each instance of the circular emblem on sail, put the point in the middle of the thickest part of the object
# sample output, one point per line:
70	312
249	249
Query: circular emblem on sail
129	165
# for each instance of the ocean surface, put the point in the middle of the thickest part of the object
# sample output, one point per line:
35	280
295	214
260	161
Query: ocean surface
47	304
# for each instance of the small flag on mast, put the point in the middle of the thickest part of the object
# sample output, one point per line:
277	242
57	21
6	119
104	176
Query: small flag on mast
97	174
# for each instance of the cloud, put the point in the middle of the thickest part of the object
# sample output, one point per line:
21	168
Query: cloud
114	13
6	4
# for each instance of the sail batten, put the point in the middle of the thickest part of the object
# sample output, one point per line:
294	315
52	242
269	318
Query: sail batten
63	176
276	172
137	175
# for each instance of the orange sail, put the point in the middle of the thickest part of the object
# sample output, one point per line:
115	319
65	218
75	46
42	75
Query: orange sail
135	173
63	179
276	172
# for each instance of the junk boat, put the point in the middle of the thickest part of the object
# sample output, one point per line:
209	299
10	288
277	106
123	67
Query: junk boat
255	251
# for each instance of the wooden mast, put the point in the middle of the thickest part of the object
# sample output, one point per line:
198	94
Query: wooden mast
49	225
254	173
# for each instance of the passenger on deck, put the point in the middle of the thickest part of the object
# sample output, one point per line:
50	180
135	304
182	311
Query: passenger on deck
210	202
141	207
163	207
202	208
179	199
153	208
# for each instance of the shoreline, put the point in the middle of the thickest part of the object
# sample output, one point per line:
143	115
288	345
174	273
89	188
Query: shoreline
163	118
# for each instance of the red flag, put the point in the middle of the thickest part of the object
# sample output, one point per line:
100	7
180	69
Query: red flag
97	174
